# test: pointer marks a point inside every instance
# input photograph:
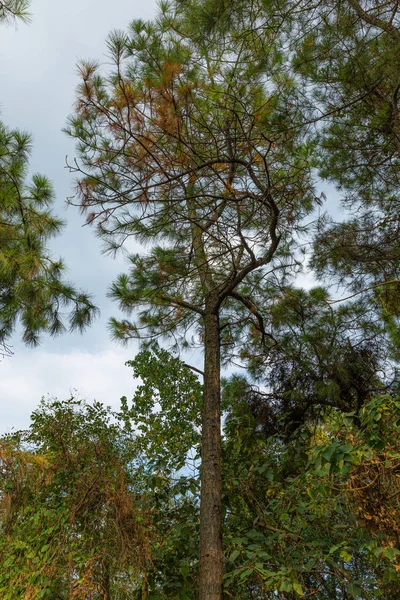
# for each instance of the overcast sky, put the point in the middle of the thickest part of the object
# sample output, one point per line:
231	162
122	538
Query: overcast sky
38	78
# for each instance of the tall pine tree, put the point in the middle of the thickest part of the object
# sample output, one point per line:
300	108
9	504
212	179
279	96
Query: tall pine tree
187	147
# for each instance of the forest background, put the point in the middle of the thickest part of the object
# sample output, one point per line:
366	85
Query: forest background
205	140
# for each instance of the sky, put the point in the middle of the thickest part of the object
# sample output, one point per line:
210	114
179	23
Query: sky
37	81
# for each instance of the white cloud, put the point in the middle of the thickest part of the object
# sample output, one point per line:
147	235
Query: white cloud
27	377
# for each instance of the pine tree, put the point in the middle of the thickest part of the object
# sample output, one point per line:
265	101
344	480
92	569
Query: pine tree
346	54
186	148
350	59
14	9
32	290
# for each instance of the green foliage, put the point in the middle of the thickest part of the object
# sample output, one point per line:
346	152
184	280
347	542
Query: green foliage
74	520
185	147
316	514
166	410
92	501
165	416
32	291
96	503
14	9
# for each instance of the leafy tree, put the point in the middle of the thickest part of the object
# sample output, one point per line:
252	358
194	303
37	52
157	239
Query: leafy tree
165	414
302	517
185	147
98	504
74	518
166	410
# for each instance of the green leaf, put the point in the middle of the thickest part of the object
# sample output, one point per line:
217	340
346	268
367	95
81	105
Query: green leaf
345	556
245	574
234	555
297	587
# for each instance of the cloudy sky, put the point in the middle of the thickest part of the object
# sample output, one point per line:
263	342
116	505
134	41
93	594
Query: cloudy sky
38	78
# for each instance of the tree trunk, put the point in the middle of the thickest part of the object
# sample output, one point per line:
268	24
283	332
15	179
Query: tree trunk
211	556
106	581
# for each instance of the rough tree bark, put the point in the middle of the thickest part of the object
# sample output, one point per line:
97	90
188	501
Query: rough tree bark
211	554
